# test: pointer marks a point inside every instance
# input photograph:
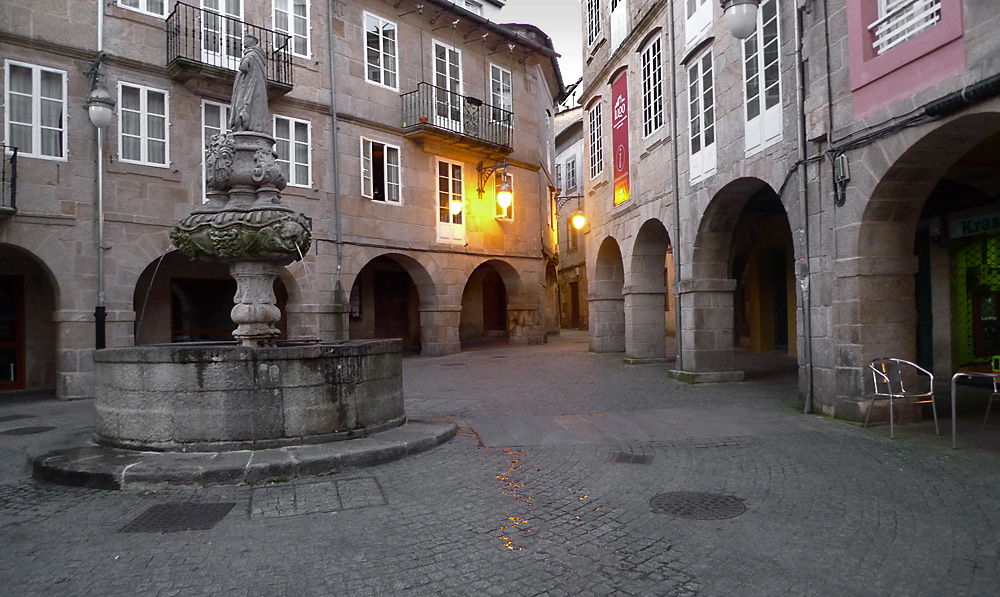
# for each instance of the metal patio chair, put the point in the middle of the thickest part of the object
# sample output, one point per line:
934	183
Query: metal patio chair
900	380
994	396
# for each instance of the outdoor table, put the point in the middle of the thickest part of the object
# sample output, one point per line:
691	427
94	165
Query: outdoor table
969	375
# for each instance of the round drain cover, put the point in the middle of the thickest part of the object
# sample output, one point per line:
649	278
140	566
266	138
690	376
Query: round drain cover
697	505
27	430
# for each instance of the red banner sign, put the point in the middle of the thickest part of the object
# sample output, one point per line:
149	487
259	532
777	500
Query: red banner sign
619	137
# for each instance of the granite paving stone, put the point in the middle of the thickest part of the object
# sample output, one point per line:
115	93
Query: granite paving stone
526	499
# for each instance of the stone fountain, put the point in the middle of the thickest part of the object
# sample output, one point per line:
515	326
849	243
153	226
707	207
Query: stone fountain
257	393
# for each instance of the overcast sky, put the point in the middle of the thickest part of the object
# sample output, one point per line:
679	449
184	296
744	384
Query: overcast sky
560	20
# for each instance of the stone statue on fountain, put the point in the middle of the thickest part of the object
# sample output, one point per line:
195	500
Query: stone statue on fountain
243	222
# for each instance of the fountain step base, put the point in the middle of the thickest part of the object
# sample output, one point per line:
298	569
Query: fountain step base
101	467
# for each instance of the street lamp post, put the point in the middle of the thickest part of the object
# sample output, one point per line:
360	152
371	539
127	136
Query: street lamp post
100	107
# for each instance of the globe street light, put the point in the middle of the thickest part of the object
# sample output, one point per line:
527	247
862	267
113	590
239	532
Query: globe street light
740	17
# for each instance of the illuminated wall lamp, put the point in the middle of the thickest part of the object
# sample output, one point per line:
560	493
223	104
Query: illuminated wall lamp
578	220
505	195
740	16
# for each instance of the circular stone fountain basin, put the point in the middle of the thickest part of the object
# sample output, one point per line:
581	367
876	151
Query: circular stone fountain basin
218	397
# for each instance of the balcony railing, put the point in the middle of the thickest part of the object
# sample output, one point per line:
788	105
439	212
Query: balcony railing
902	20
435	108
204	37
8	200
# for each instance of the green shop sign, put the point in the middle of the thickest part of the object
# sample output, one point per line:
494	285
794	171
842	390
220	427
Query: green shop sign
977	225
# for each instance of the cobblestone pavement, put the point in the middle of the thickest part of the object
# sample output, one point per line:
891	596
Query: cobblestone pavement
541	493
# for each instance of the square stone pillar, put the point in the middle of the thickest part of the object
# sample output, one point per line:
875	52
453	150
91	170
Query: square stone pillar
875	316
525	326
439	330
74	354
707	328
607	323
645	326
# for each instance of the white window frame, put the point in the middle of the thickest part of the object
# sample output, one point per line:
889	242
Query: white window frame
452	231
144	120
652	87
36	111
594	33
698	20
763	122
287	8
384	58
143	7
207	132
452	90
701	118
368	172
504	96
571	174
498	212
289	162
559	177
226	34
473	7
619	23
595	120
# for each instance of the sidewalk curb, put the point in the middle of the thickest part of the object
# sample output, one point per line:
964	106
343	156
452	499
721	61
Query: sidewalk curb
99	467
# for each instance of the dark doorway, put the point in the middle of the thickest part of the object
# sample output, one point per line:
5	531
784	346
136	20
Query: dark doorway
12	375
392	295
574	305
494	302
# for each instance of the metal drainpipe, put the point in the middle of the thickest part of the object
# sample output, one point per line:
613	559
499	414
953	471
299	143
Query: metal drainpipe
331	57
804	207
676	241
100	311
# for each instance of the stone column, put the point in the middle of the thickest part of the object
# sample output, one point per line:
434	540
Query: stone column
524	326
606	323
875	316
439	330
74	354
255	311
645	328
707	328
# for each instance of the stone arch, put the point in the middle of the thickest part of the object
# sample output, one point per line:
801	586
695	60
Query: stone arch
607	299
386	299
645	294
891	277
30	292
176	299
741	283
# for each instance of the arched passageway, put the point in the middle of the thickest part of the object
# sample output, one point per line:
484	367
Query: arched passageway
484	307
385	302
647	297
179	300
742	291
607	299
28	334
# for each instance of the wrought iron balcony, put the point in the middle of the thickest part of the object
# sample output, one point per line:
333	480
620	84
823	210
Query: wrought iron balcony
436	112
8	199
201	41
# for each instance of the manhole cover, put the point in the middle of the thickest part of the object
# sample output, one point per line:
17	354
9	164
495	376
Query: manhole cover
628	458
27	430
698	505
6	418
170	518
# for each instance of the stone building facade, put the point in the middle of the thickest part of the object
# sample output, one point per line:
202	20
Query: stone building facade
572	271
393	122
828	187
